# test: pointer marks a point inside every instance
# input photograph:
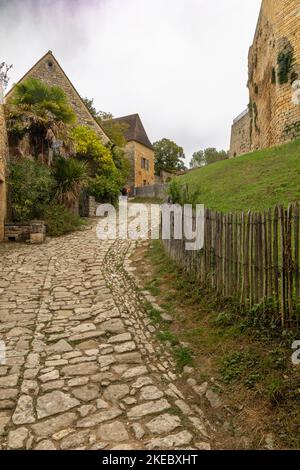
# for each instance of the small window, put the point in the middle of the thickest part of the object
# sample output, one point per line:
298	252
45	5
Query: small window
145	183
145	164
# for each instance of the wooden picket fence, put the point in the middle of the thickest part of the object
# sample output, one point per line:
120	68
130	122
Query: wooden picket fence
252	257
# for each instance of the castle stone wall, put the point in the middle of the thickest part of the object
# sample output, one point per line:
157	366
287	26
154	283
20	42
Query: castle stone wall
274	114
3	160
240	136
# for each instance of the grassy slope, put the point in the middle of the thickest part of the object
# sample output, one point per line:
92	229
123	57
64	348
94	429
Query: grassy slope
254	181
249	361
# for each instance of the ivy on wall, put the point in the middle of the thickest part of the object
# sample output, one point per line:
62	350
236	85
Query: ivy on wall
285	60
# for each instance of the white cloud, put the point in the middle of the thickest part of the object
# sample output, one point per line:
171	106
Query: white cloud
181	64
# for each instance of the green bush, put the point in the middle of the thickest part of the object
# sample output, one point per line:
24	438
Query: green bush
30	186
32	195
105	188
180	193
60	220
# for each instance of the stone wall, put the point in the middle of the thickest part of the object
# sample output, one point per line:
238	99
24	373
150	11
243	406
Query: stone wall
155	190
274	113
240	136
164	177
3	160
87	206
49	71
33	232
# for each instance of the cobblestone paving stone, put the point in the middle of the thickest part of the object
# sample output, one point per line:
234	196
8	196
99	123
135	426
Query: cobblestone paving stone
83	368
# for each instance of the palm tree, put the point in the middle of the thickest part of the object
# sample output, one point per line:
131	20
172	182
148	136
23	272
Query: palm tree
40	113
71	178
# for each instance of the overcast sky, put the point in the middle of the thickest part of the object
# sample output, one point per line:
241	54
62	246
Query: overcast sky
181	64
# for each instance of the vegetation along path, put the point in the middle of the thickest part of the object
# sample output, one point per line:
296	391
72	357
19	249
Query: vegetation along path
83	367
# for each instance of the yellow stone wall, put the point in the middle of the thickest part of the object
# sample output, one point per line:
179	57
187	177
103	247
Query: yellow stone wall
139	176
3	159
274	117
240	136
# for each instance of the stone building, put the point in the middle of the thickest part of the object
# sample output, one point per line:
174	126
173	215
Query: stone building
3	159
49	70
139	150
273	115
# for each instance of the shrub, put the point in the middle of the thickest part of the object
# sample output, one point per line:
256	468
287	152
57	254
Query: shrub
107	177
180	194
105	188
30	185
89	147
59	220
71	178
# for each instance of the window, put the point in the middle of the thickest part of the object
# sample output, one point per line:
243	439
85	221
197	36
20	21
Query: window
144	164
145	183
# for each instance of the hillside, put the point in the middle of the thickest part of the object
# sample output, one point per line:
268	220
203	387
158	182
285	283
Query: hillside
254	181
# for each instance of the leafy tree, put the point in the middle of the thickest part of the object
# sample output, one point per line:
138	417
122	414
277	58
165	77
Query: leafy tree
207	157
198	159
212	155
168	156
114	130
41	113
90	105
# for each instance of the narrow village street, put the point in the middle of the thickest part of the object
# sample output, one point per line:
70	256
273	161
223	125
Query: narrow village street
83	367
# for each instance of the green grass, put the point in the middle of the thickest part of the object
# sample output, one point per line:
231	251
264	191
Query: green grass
255	181
249	361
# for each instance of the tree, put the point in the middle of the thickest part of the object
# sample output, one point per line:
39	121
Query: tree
212	155
41	113
114	130
198	159
168	156
207	157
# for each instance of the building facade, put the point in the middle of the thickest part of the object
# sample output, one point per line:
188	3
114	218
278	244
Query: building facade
273	115
48	70
139	150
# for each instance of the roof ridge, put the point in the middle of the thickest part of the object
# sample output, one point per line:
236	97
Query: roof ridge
50	53
136	131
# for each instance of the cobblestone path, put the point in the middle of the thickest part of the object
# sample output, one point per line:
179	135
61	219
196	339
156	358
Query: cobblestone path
83	368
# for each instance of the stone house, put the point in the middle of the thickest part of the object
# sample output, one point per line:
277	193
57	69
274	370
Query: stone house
139	150
48	70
